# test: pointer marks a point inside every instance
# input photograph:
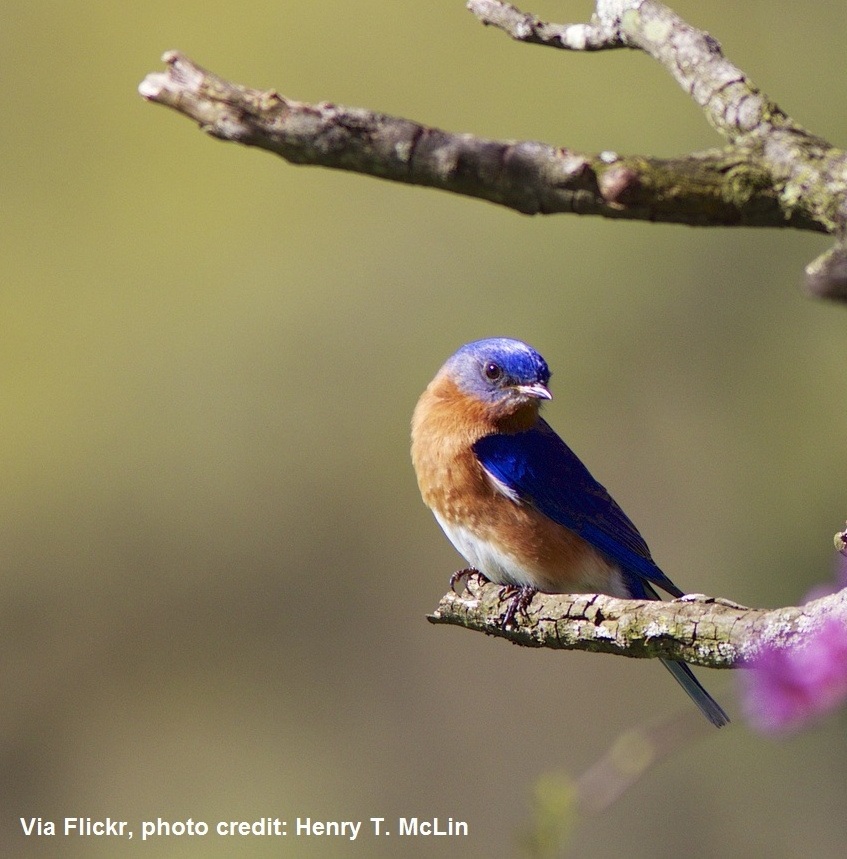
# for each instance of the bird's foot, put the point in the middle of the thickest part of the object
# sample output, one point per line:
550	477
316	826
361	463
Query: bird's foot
519	599
466	573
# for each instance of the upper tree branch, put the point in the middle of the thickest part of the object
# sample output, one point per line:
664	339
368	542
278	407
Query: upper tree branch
717	187
696	629
771	173
805	171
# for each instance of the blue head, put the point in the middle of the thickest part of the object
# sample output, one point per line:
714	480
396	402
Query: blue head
506	374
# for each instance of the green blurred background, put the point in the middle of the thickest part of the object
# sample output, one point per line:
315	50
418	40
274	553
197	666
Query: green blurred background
215	562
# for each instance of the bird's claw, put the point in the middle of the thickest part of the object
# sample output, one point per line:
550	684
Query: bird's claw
467	572
519	599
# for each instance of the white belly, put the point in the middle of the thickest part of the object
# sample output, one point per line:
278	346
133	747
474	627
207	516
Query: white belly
504	569
495	565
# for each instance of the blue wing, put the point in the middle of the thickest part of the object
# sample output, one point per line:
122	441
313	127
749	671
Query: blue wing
546	473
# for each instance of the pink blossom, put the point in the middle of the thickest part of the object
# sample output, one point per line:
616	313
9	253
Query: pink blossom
789	686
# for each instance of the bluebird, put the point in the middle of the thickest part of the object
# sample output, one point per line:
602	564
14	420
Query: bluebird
516	501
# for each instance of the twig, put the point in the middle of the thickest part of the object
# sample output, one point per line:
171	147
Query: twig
731	102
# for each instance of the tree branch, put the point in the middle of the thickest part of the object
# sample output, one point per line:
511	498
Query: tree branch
701	630
716	187
804	171
771	173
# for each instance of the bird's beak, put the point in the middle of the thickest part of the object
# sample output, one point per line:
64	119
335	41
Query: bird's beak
539	391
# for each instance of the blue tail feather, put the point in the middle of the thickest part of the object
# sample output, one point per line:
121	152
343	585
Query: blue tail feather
707	704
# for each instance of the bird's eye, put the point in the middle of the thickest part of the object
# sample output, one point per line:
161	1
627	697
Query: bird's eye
493	372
